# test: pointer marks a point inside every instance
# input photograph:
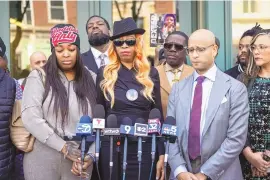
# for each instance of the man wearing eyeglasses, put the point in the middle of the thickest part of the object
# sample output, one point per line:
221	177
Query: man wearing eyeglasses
211	111
243	52
174	68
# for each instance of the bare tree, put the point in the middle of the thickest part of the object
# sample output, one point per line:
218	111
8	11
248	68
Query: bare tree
15	43
134	10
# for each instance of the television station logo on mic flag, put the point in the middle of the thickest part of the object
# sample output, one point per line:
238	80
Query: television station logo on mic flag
111	131
98	123
169	130
83	129
126	129
154	126
141	129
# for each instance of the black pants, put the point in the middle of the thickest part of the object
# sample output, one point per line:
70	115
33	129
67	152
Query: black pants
132	162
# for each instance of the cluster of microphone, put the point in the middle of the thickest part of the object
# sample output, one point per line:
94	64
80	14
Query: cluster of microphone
152	130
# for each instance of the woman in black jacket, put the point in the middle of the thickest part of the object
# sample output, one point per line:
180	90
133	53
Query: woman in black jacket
129	87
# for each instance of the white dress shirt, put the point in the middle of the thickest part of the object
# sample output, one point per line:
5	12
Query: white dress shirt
170	74
97	53
210	77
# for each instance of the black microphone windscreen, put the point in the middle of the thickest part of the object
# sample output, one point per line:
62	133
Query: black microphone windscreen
85	119
170	120
127	121
98	111
112	121
140	120
155	114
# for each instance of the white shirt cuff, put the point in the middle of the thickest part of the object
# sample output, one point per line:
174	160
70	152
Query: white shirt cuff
179	169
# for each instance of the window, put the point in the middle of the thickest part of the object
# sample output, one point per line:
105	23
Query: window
249	6
57	10
27	19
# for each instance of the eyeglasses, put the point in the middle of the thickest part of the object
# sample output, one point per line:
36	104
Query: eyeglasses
198	50
178	47
260	48
129	42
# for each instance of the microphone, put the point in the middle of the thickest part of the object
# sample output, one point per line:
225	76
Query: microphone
154	128
126	129
111	131
141	130
98	124
84	129
170	131
112	126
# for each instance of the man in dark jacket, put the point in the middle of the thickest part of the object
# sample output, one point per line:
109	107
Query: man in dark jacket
98	31
243	52
7	98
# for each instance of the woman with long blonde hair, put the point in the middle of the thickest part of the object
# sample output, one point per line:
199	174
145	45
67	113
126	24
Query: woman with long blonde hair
129	87
257	80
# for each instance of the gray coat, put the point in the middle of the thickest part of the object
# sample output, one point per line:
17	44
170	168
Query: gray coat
225	130
39	119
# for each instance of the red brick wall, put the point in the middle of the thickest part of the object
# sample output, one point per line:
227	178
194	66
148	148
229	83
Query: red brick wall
40	13
163	7
42	17
72	12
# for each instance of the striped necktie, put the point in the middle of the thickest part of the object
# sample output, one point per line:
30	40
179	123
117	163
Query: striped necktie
102	60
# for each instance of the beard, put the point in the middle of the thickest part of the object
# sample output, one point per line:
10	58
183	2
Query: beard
241	61
98	40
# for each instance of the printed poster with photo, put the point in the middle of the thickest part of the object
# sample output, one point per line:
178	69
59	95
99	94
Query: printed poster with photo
160	27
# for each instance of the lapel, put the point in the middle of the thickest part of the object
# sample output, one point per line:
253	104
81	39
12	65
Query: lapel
219	90
184	73
89	61
164	83
185	100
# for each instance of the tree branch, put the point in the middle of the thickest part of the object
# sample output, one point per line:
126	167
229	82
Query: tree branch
118	9
18	35
15	43
135	11
138	12
20	18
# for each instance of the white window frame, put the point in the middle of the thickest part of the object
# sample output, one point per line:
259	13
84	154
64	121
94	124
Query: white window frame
50	20
32	13
249	6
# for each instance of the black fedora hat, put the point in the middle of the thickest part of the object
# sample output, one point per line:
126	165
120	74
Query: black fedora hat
125	27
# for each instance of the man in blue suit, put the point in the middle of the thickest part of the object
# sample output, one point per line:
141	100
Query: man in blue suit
211	111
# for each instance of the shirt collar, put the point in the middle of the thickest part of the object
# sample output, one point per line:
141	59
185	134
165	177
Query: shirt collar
210	74
125	69
170	68
97	53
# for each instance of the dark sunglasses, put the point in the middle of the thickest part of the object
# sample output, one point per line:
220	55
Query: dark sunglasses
178	47
130	42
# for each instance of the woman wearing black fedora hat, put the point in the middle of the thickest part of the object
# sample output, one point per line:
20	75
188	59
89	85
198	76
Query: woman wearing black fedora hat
129	87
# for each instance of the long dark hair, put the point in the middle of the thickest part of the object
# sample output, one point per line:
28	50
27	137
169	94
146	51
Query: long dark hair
84	87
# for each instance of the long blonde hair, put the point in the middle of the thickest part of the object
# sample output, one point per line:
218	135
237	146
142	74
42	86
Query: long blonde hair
141	66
